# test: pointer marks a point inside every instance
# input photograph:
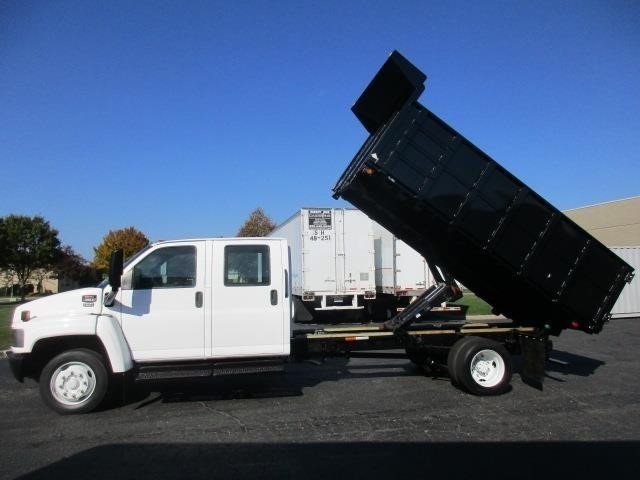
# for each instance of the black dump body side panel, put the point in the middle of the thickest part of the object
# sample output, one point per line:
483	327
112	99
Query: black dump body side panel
465	213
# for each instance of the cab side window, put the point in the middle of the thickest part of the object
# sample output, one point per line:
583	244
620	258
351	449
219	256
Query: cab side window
169	267
246	265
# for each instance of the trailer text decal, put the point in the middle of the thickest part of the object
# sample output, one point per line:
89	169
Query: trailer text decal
320	220
320	235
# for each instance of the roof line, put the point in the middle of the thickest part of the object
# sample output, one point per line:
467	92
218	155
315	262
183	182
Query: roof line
603	203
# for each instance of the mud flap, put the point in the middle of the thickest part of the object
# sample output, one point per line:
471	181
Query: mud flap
534	351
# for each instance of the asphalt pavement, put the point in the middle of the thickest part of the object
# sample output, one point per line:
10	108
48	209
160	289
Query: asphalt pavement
358	418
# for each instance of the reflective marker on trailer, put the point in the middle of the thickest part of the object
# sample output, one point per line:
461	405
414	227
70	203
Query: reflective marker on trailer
355	339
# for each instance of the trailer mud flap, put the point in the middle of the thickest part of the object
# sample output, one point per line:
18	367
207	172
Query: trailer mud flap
534	353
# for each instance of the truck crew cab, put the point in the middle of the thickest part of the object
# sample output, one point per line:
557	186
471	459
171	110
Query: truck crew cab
179	309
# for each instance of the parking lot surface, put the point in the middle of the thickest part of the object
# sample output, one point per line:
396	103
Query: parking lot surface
358	418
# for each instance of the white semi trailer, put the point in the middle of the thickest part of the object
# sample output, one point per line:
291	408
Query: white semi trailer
332	259
401	272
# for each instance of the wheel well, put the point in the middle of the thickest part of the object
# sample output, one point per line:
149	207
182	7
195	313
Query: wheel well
47	348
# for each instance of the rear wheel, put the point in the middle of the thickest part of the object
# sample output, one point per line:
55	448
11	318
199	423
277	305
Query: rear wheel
480	366
74	381
452	358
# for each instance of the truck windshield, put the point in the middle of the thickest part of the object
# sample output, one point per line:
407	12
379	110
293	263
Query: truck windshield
105	282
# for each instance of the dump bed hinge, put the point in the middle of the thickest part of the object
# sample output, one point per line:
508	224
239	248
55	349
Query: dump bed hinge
431	298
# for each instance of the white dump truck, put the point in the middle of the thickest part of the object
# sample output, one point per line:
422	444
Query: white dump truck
204	307
221	306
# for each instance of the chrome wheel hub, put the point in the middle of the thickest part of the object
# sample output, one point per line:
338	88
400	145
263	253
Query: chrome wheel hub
73	383
487	368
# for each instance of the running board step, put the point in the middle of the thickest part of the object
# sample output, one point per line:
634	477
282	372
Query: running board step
196	370
242	368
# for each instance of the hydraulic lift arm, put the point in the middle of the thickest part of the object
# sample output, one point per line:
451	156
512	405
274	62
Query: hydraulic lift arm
445	290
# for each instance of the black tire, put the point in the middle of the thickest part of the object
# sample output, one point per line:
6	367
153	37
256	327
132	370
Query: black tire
453	356
84	381
480	366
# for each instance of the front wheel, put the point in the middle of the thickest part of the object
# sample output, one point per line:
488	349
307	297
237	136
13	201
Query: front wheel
480	366
74	382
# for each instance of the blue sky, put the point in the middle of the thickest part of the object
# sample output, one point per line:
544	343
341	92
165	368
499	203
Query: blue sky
181	117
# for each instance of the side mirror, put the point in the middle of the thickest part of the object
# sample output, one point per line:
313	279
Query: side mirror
116	265
115	269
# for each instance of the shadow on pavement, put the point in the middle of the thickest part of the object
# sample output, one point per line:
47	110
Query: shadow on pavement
370	460
566	363
298	376
290	383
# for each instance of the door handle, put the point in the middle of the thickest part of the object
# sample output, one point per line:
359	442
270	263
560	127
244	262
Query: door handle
274	297
199	299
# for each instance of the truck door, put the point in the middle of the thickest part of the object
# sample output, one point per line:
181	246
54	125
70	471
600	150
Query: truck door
161	303
248	300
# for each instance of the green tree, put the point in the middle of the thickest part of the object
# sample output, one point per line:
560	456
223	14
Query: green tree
128	239
257	225
27	244
72	266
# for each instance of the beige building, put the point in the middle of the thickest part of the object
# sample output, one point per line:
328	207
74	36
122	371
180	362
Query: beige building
40	281
615	223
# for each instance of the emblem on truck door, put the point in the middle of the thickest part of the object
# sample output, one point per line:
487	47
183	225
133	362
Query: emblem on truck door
89	300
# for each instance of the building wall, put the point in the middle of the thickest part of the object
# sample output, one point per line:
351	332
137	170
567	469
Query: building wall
49	284
616	223
628	304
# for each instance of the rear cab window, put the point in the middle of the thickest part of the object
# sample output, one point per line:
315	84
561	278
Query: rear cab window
246	265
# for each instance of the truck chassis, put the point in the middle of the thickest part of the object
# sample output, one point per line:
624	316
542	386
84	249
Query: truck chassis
477	355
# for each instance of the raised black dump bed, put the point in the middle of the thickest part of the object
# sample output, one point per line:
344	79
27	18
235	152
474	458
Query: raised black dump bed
469	216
